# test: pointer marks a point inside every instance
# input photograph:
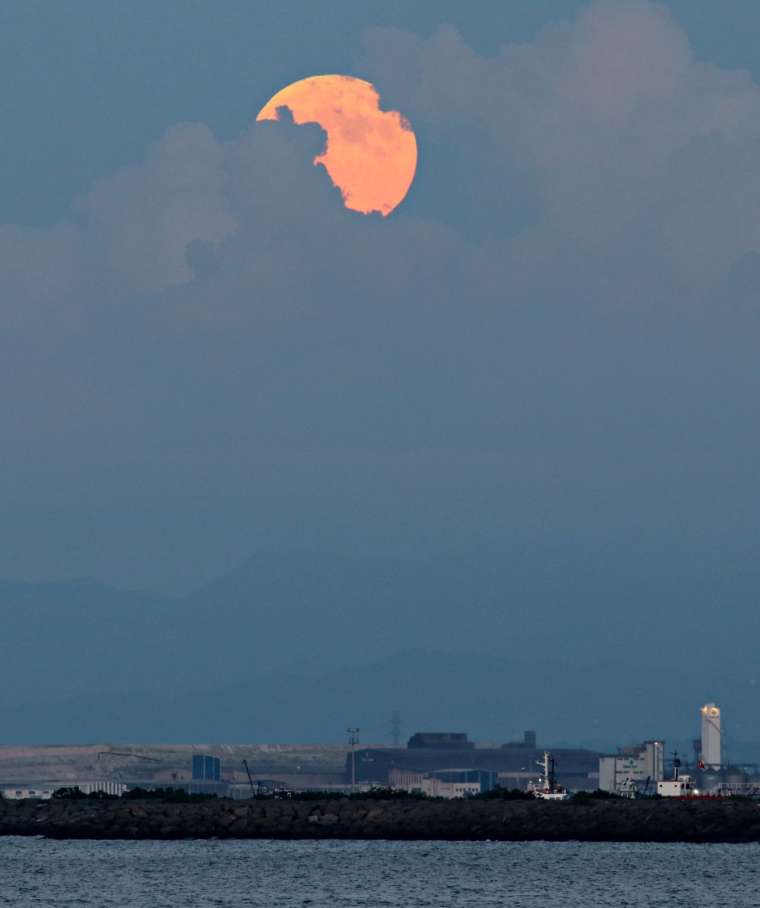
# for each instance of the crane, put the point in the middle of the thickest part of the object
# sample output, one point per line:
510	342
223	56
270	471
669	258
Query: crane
250	780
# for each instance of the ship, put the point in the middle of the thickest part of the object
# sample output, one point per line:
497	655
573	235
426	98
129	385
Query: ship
546	786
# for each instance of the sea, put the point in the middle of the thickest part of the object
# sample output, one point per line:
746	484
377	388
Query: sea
327	874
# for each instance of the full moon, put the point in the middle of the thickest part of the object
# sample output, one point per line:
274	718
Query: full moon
370	154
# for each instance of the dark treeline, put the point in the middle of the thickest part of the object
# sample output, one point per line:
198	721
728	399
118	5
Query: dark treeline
180	796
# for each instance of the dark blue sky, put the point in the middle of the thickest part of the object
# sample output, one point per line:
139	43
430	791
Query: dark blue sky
546	359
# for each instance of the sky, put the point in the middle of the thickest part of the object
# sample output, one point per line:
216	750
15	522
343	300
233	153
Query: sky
547	355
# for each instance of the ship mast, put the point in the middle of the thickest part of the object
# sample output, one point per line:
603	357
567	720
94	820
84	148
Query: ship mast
547	765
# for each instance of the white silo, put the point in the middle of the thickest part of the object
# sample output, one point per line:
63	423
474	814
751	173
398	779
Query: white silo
711	755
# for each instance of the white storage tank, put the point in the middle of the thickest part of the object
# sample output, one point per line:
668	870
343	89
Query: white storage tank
711	744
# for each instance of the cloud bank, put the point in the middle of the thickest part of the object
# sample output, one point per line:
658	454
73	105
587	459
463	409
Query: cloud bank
556	330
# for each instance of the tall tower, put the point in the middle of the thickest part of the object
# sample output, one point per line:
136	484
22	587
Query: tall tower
711	755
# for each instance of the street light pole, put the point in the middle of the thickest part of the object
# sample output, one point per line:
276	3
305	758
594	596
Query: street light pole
353	740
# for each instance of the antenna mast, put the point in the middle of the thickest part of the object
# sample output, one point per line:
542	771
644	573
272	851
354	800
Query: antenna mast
353	740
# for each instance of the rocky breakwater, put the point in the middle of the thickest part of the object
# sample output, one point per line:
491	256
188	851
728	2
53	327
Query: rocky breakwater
603	820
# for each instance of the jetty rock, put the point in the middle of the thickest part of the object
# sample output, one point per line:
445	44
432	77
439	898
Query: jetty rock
613	820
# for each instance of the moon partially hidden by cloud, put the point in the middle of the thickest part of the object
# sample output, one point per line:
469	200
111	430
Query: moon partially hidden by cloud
370	154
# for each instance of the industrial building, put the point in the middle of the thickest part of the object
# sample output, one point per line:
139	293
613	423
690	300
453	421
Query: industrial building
512	765
442	763
206	772
436	788
641	769
712	752
443	783
633	769
449	740
206	768
446	785
713	772
45	790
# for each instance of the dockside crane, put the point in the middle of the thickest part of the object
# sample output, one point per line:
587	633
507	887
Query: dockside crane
250	779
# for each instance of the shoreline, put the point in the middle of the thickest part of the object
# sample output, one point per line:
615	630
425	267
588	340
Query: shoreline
730	820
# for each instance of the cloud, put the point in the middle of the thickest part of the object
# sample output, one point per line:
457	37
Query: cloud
603	112
521	344
614	142
141	221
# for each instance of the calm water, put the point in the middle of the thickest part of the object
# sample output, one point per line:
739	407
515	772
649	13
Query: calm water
335	874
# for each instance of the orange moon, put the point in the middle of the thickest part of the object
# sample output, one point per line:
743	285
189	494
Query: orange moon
370	154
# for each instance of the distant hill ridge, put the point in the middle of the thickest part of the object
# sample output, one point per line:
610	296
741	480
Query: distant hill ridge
297	645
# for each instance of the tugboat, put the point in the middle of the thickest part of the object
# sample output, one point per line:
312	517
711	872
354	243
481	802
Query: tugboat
546	787
680	786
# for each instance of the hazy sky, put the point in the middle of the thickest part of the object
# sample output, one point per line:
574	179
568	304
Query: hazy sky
551	347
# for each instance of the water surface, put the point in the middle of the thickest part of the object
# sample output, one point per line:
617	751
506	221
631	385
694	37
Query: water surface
377	874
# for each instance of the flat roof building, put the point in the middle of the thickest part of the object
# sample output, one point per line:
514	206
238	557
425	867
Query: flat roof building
449	740
432	753
632	768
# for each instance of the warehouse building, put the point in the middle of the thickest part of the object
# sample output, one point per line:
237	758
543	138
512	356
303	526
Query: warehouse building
633	769
515	763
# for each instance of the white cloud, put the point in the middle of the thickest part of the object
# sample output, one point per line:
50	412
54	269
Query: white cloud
602	111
